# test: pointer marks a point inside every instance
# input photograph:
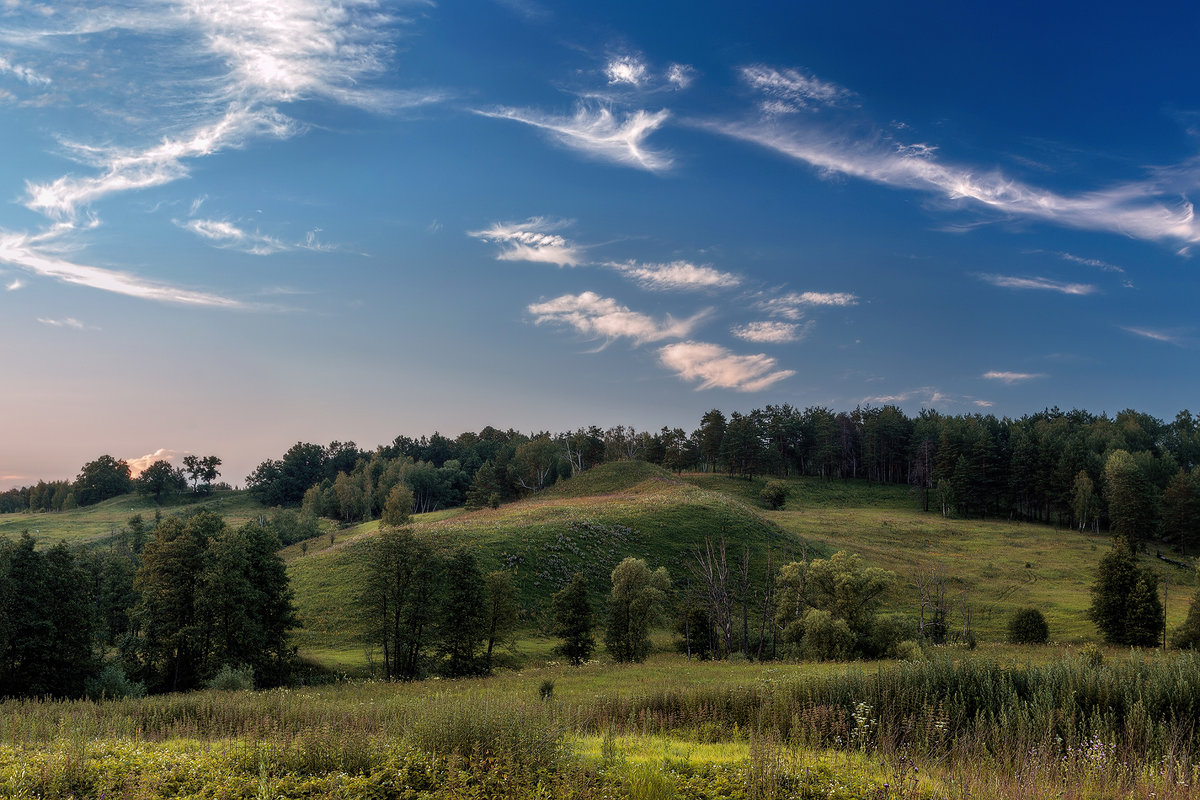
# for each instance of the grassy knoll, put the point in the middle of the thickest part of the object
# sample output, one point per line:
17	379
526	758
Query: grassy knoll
960	725
588	524
103	520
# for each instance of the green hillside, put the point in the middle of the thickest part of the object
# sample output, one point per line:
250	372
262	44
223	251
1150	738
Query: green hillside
98	522
592	521
587	524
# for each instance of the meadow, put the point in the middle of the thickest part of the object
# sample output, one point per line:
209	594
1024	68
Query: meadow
1063	724
1065	720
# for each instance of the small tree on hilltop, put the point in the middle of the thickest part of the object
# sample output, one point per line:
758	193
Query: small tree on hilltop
571	612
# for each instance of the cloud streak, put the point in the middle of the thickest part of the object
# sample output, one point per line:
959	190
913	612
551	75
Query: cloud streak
1038	284
226	234
16	251
1011	377
599	317
1149	209
676	275
532	240
598	133
715	367
771	332
1153	335
791	305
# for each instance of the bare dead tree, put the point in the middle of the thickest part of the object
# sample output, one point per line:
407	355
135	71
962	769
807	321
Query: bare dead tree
932	608
744	590
768	609
712	569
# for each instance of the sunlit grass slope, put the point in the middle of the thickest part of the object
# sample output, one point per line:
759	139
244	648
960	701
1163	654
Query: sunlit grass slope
997	565
587	524
93	523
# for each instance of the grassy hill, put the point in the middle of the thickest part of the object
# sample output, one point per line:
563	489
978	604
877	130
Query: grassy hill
587	524
103	520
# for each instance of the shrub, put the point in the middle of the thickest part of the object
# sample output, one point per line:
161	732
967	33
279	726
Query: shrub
910	650
826	638
112	684
1028	626
232	679
775	494
886	633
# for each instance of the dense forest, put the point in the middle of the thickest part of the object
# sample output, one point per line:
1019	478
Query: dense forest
1134	474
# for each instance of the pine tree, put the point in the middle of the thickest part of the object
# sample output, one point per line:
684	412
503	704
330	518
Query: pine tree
1144	613
1125	604
571	612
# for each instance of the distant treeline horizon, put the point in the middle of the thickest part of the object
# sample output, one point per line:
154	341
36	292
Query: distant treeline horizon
1052	466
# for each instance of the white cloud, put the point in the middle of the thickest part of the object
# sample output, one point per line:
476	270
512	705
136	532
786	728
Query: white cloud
604	318
676	275
717	368
25	74
1090	262
226	234
14	284
680	75
1044	284
138	465
532	240
597	132
791	90
791	305
15	250
771	332
1154	335
131	169
1151	209
67	322
626	69
1011	377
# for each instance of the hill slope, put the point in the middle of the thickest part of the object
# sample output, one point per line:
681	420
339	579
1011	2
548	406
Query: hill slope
587	524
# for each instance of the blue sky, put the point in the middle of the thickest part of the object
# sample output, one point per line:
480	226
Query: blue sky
230	225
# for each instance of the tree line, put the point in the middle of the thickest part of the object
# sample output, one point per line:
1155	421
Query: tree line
1132	473
166	607
107	477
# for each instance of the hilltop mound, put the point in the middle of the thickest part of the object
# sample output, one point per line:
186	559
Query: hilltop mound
586	524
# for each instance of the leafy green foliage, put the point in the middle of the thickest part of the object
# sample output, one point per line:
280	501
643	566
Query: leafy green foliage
1028	626
1125	604
775	494
634	605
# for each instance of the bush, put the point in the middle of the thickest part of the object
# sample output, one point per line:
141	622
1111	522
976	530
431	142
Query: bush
231	679
826	638
775	494
112	684
910	650
1028	626
886	633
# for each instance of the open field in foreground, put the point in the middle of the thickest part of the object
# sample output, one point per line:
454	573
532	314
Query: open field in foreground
961	725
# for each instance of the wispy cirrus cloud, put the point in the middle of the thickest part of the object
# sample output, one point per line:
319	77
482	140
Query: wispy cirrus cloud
599	133
1149	209
771	332
1036	283
225	70
1089	262
597	317
535	240
66	322
715	367
680	76
225	234
791	90
676	275
1008	377
14	285
16	250
24	74
1167	337
792	305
